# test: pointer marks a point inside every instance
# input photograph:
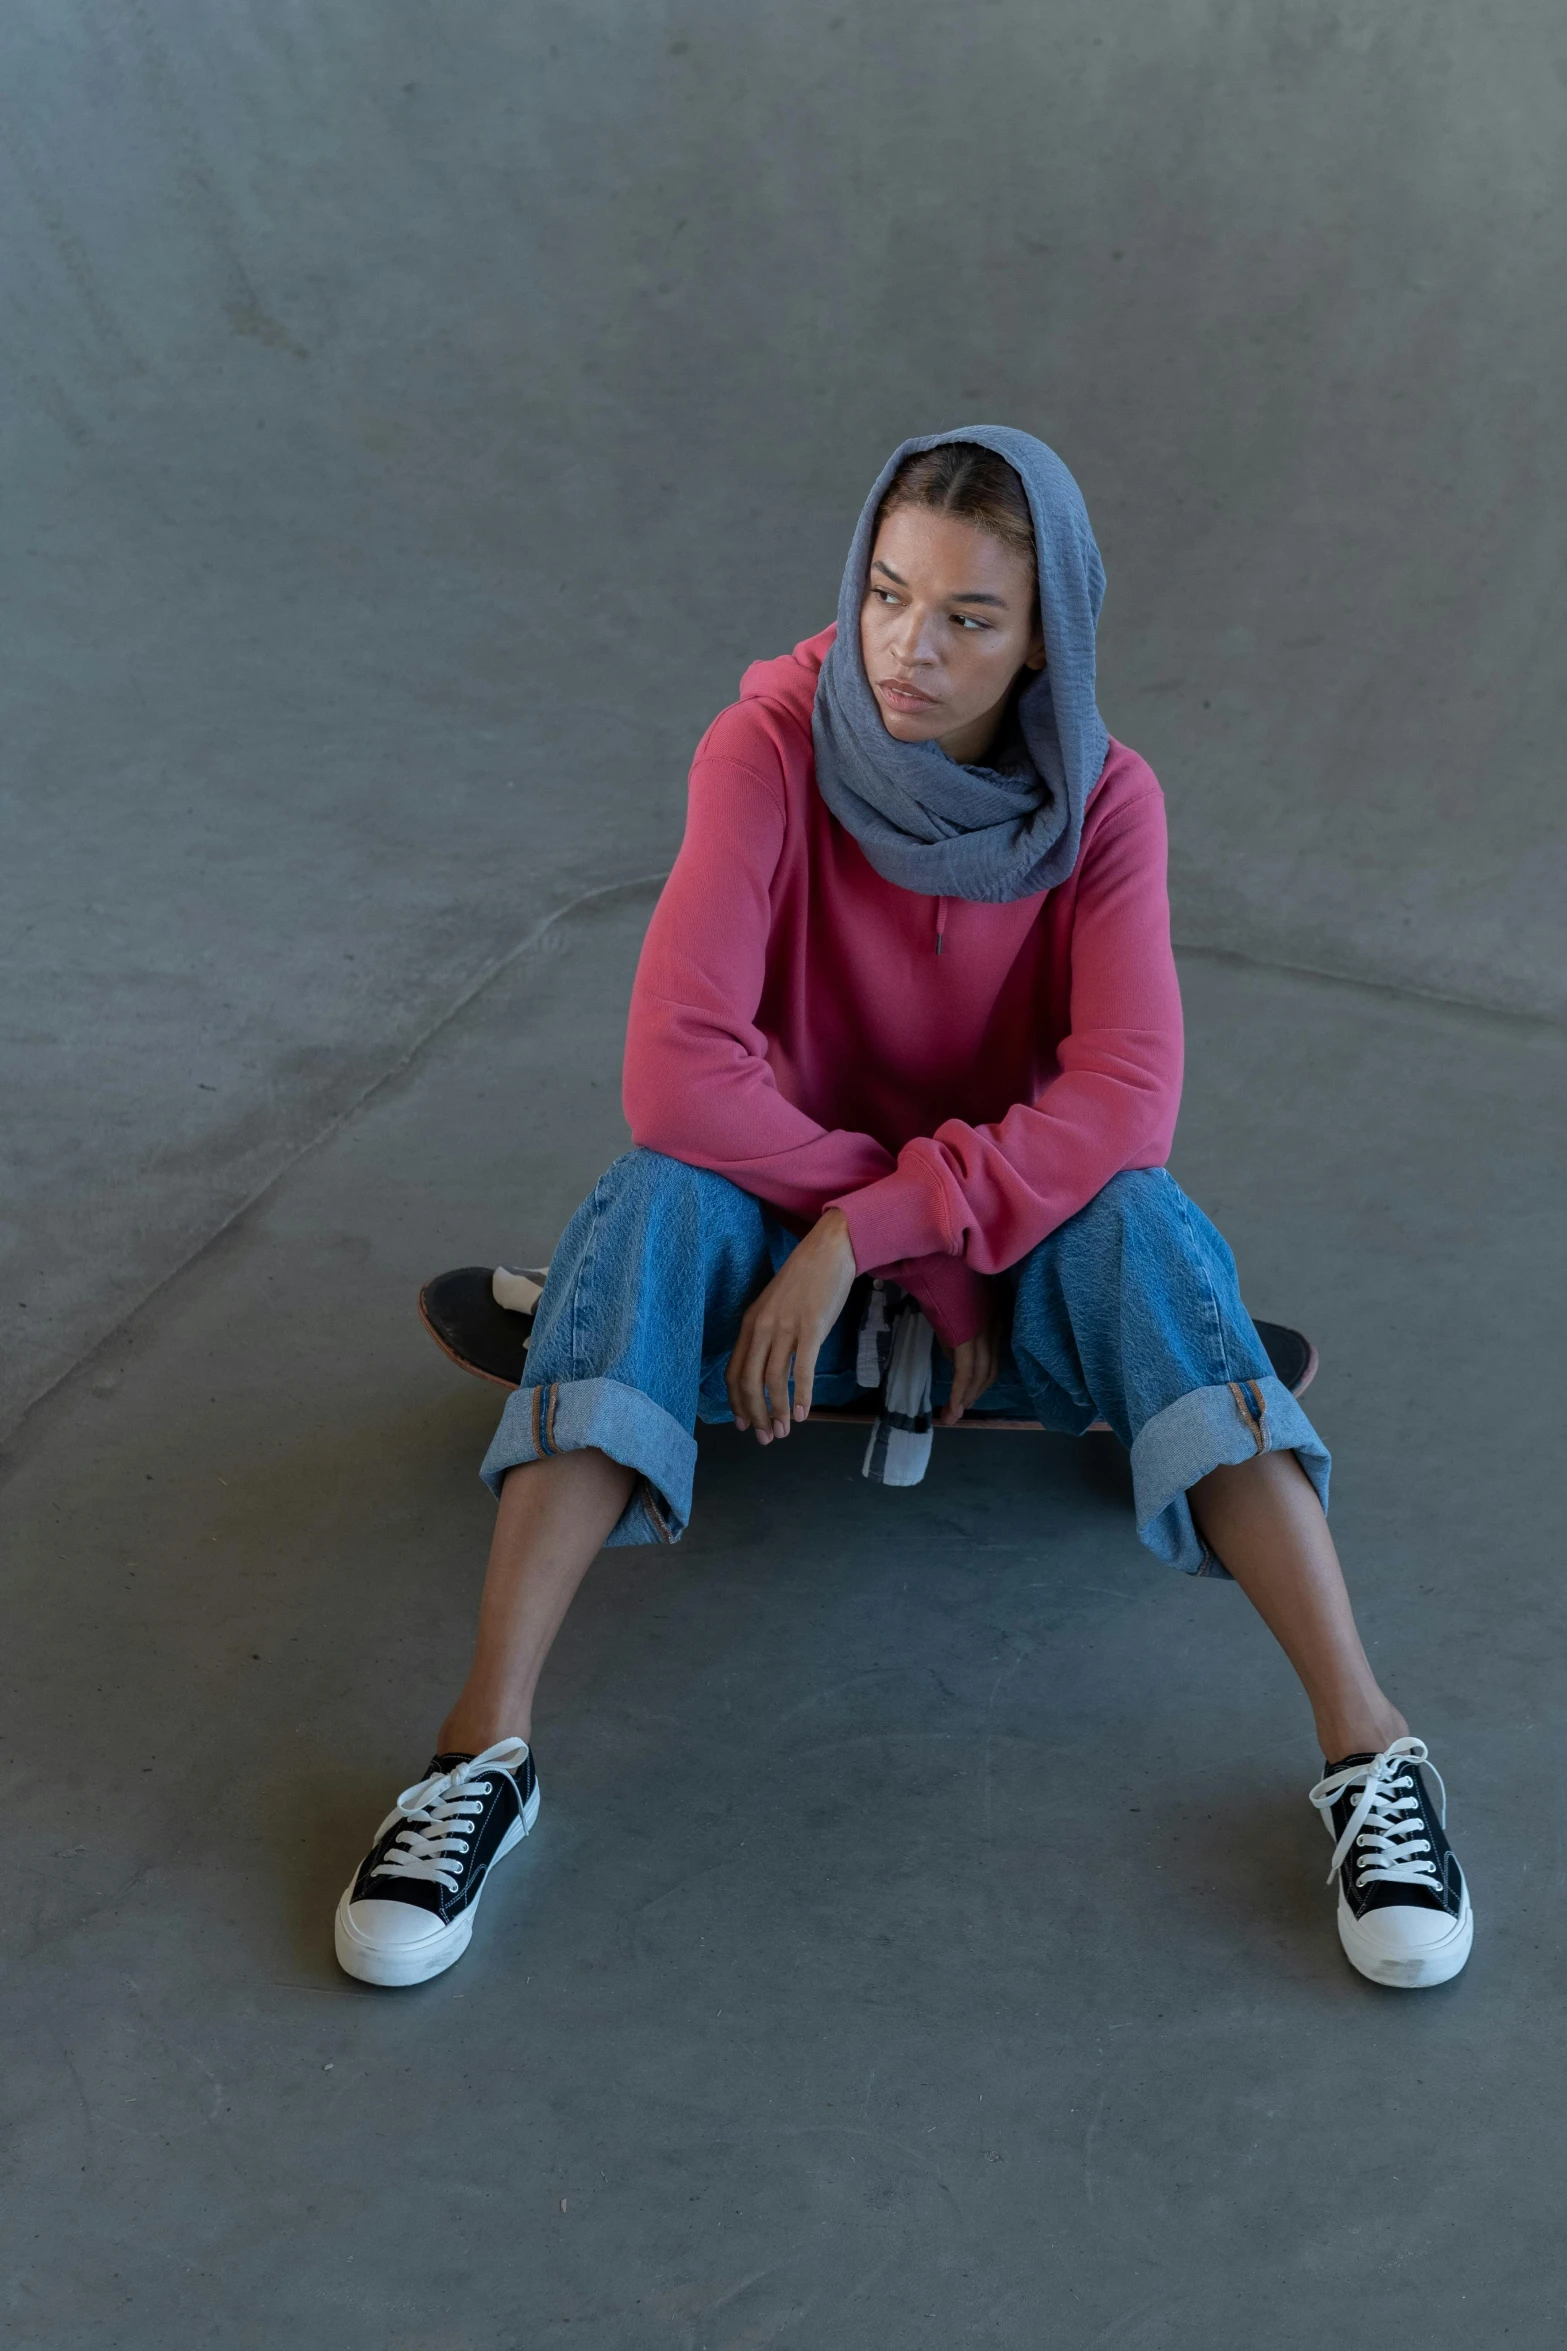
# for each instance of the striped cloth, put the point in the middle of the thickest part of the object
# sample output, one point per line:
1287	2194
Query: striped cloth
894	1355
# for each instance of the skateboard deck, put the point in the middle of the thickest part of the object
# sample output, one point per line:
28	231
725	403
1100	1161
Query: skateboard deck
467	1322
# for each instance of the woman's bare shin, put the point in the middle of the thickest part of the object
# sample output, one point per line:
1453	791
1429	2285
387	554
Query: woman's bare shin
552	1521
1263	1519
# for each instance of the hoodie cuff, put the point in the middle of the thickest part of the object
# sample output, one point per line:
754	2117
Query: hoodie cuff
955	1299
898	1216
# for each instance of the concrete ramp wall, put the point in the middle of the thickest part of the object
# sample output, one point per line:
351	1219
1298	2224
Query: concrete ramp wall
415	416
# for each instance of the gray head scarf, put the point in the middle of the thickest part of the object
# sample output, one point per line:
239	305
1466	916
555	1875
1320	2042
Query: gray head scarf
994	834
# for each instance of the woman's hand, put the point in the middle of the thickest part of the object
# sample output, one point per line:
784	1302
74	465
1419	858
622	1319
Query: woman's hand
787	1324
975	1364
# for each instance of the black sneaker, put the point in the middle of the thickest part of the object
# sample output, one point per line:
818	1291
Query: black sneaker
409	1911
1403	1907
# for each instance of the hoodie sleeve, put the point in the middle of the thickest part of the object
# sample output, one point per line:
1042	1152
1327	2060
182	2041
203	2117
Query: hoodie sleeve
988	1194
697	1082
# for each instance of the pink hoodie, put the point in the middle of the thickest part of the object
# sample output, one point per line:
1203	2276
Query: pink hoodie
959	1079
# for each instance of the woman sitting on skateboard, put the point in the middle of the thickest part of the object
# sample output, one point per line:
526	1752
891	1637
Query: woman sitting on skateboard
907	1009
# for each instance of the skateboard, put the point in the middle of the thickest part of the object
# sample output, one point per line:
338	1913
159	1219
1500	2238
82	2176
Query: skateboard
482	1318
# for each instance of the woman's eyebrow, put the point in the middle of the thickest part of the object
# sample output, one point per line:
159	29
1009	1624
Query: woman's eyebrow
963	596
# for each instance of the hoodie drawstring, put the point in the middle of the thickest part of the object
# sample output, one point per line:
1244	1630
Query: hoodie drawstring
941	922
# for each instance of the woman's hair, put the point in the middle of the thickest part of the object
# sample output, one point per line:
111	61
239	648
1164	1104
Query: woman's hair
963	479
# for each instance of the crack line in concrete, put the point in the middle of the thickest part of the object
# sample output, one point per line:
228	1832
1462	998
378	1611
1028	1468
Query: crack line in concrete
339	1118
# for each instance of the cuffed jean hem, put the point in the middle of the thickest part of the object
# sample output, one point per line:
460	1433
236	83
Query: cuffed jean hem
1200	1431
620	1421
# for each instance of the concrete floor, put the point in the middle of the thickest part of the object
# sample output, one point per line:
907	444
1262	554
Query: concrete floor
924	1940
411	423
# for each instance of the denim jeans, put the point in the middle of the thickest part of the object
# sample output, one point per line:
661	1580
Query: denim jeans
1128	1313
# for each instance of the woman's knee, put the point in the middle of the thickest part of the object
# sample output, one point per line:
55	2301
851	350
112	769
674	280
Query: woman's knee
1139	1199
653	1176
1140	1218
648	1203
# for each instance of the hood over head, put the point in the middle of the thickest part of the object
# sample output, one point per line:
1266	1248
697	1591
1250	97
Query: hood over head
925	823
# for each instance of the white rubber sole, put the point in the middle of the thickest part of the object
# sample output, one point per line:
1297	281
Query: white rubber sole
1437	1964
416	1963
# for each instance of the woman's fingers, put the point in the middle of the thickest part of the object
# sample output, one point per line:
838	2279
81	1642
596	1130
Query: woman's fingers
758	1375
974	1367
805	1354
780	1354
754	1384
743	1378
986	1365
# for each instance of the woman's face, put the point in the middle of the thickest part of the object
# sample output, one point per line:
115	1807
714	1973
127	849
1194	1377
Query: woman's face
949	620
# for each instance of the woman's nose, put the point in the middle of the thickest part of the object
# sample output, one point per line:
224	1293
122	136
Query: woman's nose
911	637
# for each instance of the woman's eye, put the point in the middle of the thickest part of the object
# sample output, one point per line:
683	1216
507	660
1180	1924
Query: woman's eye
967	620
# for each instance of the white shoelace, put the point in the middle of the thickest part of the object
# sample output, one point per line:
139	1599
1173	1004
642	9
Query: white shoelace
445	1807
1386	1819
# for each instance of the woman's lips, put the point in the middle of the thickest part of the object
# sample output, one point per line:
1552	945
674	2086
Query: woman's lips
902	697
